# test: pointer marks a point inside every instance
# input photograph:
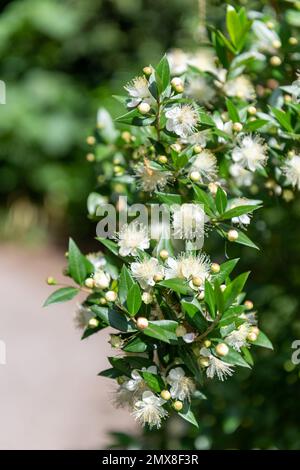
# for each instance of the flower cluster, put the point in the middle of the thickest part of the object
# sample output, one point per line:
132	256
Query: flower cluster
198	137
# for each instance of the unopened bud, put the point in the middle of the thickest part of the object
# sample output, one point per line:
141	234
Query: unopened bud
195	176
197	281
252	110
197	149
203	361
51	281
90	157
213	188
293	41
158	277
248	304
89	282
144	108
142	323
162	159
275	61
165	395
237	126
222	349
215	268
164	254
232	235
126	136
93	323
180	331
251	336
111	296
207	343
90	140
147	70
178	405
147	298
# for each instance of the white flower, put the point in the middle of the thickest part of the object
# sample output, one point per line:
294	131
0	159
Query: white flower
124	398
97	259
199	89
189	266
216	367
296	88
291	170
82	316
182	120
181	386
204	60
149	410
241	87
242	176
189	338
250	153
132	237
152	179
198	138
237	339
223	126
138	90
101	279
177	61
206	164
188	221
144	271
243	219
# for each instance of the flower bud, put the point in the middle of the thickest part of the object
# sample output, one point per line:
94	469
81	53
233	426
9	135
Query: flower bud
213	188
90	157
222	349
147	298
223	287
102	301
93	323
225	116
178	405
251	336
275	61
207	343
158	277
232	235
180	331
248	304
115	341
144	108
147	70
51	281
162	159
111	296
237	126
165	395
197	281
215	268
177	84
89	282
252	110
254	330
164	254
201	295
195	176
176	147
293	41
90	140
276	44
142	323
197	149
126	136
270	24
287	98
203	361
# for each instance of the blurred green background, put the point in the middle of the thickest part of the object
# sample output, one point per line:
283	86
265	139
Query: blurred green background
60	61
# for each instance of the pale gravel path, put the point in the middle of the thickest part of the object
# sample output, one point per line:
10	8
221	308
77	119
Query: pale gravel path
50	395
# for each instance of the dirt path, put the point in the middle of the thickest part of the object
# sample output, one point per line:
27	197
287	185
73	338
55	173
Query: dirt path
51	397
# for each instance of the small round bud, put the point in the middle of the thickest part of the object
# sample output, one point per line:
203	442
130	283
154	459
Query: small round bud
222	349
90	140
102	301
177	84
195	176
215	268
176	147
93	323
276	44
126	136
158	277
201	295
252	110
178	405
270	24
232	235
144	108
254	330
237	126
147	70
248	304
203	361
275	61
147	298
51	281
180	331
293	41
90	157
89	282
162	159
213	188
207	343
111	296
287	98
118	169
225	116
197	281
164	254
115	341
197	149
223	287
142	323
251	336
165	395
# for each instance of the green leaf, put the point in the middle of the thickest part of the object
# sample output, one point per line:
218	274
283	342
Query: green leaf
205	198
240	210
79	267
136	345
235	358
112	246
110	373
252	126
162	74
163	330
232	111
234	289
193	311
177	285
115	319
209	298
245	240
188	415
190	362
221	201
134	299
156	332
263	341
125	283
169	198
61	295
225	269
153	381
283	118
